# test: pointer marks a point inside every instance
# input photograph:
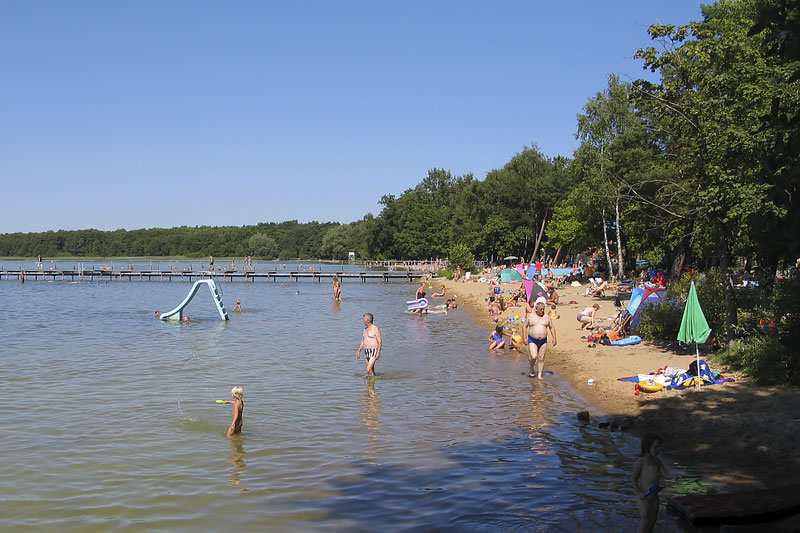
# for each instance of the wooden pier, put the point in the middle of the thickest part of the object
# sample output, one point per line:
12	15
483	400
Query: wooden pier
314	276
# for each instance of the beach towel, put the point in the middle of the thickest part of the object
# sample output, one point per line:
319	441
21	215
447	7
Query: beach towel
676	378
687	378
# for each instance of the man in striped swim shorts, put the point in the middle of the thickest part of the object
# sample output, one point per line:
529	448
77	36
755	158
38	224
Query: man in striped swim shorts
371	343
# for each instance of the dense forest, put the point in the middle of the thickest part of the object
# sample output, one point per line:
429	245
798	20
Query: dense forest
698	169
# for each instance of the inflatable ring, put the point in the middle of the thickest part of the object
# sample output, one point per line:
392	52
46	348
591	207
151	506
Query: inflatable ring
650	386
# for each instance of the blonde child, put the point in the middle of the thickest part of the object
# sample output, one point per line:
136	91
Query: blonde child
238	410
646	474
516	340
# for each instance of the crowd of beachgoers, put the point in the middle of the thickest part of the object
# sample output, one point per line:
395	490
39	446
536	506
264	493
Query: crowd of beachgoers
703	427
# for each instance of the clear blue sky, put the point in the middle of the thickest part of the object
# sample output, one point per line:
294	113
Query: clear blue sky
147	113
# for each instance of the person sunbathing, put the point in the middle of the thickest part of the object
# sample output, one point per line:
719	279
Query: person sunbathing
597	291
552	297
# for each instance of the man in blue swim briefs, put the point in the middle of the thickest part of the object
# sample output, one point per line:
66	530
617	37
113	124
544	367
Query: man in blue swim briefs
535	329
371	343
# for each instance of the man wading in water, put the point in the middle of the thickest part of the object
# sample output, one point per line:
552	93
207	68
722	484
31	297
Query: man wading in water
371	343
535	328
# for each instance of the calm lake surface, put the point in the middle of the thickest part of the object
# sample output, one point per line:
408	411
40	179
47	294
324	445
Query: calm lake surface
110	422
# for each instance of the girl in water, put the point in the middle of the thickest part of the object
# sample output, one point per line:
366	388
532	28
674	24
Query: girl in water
495	339
336	288
238	410
646	474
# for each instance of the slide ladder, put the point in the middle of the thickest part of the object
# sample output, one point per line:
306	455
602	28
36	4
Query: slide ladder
177	313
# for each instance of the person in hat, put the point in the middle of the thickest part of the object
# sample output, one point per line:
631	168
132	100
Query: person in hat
537	323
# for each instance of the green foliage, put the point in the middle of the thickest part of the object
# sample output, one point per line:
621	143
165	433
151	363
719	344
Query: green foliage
770	354
336	244
461	256
446	273
662	322
567	228
263	246
764	357
709	294
292	240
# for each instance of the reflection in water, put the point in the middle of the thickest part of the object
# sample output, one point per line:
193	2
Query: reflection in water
467	443
419	329
536	418
371	416
237	460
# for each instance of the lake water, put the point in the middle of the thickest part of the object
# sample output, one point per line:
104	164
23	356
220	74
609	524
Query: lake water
110	422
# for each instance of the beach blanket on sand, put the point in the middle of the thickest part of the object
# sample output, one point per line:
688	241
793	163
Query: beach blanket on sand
676	378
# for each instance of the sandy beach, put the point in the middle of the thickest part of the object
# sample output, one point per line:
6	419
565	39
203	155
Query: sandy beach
736	435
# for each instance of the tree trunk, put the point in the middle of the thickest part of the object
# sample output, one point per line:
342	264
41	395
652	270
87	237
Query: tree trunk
730	302
620	258
539	239
679	262
605	242
558	254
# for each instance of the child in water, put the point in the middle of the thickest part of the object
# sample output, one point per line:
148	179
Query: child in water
238	410
496	338
646	474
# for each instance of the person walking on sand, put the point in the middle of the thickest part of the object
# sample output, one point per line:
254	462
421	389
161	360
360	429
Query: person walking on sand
646	473
371	343
238	410
535	329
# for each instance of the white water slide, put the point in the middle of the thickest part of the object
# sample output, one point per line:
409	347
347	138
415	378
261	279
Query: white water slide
177	313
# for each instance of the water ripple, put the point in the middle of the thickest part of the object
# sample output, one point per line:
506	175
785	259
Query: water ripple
114	425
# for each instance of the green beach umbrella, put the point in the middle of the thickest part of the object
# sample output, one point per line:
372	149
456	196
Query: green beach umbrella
694	327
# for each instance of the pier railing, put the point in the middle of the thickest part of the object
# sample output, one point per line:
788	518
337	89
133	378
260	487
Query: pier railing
314	276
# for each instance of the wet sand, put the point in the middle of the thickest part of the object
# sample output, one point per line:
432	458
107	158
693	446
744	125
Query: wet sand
736	435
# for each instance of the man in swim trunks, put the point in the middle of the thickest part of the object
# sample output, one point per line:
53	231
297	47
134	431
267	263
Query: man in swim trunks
371	343
535	329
